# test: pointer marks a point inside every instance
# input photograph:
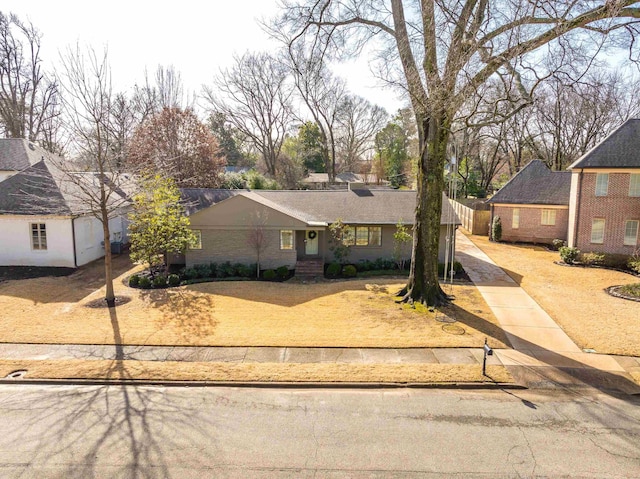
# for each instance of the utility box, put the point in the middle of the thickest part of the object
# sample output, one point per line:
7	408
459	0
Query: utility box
116	247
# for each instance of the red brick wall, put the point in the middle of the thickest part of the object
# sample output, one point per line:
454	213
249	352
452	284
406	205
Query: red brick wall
616	208
531	229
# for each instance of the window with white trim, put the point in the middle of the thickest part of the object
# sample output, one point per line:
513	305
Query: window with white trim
286	239
631	232
197	244
548	217
39	236
597	230
602	184
634	184
515	220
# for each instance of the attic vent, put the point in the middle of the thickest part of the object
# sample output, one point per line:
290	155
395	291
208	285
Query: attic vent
356	185
32	147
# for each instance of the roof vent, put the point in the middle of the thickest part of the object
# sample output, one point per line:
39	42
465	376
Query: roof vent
357	185
32	147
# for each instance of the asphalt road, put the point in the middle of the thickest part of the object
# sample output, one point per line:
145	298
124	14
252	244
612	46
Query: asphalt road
140	432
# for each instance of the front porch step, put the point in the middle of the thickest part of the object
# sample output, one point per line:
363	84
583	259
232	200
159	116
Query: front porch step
309	268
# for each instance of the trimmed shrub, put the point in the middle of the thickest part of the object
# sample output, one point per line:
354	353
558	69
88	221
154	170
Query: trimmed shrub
134	280
349	271
634	263
173	280
269	275
225	270
245	271
334	269
282	272
160	281
496	229
592	259
364	265
569	255
557	244
203	270
191	273
144	282
213	270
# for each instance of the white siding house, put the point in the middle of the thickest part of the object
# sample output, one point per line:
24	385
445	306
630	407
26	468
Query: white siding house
42	225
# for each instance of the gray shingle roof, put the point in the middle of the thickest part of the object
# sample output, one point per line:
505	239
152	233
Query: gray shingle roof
34	191
326	206
535	184
17	154
621	149
44	189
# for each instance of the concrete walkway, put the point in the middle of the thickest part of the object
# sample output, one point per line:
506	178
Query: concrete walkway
245	354
536	339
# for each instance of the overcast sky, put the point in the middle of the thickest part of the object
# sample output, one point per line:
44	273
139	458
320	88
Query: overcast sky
196	37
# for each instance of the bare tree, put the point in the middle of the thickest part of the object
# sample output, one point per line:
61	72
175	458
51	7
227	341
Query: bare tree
359	121
571	117
85	80
28	97
447	50
324	95
258	239
255	97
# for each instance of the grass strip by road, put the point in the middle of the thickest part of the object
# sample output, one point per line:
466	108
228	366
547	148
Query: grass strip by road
254	372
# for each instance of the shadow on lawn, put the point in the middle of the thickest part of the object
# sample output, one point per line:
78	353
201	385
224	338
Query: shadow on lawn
285	294
68	289
190	312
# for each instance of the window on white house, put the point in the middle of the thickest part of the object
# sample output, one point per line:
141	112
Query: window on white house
515	221
286	239
634	184
39	236
597	230
548	217
631	232
602	184
197	244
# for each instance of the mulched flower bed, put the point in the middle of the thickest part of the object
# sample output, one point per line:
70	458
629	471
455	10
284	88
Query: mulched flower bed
102	303
619	293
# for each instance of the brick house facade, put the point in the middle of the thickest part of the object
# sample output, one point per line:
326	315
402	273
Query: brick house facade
534	205
604	212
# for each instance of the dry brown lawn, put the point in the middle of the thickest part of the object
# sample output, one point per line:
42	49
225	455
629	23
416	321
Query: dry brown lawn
255	372
573	296
360	313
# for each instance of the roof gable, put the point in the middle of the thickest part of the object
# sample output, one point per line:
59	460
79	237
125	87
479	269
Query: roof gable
621	149
17	154
33	191
535	184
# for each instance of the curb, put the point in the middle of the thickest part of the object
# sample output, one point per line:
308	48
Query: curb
265	385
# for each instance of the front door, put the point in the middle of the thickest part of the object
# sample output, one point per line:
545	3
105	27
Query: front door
311	243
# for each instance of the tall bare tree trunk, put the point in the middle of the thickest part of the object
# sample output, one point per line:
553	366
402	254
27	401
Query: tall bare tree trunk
423	285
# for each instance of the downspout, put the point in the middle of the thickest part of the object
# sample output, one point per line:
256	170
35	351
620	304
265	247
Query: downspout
491	223
578	204
73	237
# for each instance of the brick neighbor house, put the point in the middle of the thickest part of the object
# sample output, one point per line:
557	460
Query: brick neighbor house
604	208
534	205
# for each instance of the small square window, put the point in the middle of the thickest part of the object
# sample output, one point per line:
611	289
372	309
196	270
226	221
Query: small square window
197	244
631	233
602	184
515	221
634	184
39	236
548	217
286	239
597	231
